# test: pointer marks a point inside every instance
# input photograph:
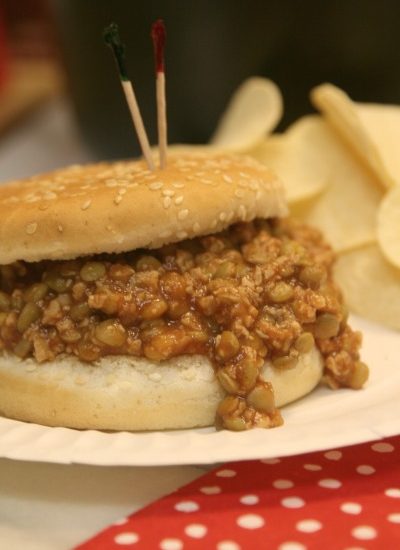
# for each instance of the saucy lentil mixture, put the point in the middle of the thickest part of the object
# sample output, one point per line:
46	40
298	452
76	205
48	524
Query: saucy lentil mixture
256	291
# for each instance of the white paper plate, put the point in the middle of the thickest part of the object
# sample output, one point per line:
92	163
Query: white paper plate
323	420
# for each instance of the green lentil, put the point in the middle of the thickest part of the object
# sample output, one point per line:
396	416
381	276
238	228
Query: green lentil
92	271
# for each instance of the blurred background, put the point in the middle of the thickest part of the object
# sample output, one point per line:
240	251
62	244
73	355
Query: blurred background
60	97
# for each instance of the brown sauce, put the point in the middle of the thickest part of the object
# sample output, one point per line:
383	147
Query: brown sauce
257	291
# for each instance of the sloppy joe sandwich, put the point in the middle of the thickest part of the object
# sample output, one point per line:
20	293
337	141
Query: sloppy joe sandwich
133	299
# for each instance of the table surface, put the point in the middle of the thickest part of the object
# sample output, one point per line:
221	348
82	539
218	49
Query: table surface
51	506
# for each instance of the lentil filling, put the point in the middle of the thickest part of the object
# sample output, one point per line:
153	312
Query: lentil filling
256	291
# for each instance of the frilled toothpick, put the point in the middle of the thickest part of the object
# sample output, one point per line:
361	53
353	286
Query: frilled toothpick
112	39
158	35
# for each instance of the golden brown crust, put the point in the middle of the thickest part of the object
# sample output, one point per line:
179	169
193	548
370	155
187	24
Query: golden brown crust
115	207
128	393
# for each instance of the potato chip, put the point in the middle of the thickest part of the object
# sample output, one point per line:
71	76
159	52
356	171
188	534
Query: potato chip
382	123
300	168
371	286
372	131
346	210
253	112
389	226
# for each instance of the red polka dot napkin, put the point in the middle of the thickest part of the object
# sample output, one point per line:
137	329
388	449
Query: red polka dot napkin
347	499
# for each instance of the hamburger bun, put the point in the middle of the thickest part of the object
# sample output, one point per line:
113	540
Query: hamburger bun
121	206
113	208
130	393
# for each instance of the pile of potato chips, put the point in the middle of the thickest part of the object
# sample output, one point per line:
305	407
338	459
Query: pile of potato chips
341	171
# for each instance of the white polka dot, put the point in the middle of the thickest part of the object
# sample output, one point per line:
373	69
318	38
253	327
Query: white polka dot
126	538
291	545
250	521
393	492
364	532
171	544
308	525
270	460
196	530
333	455
121	521
283	484
394	518
249	499
329	483
292	502
312	467
187	506
228	545
211	490
351	508
226	473
382	447
365	469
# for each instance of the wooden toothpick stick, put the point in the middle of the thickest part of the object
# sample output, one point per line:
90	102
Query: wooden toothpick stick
158	35
112	39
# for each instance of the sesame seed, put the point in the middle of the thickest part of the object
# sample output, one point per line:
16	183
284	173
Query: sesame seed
178	200
243	175
109	228
49	195
242	212
31	228
167	202
111	183
178	185
60	228
196	226
155	185
239	193
168	192
227	178
181	234
13	198
206	181
117	199
214	224
183	214
86	205
122	191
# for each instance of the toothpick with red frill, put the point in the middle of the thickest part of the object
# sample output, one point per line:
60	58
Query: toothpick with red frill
112	39
158	35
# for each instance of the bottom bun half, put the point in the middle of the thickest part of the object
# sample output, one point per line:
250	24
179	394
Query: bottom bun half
129	393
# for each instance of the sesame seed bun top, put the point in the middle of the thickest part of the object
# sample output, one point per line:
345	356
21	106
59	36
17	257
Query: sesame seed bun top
121	206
